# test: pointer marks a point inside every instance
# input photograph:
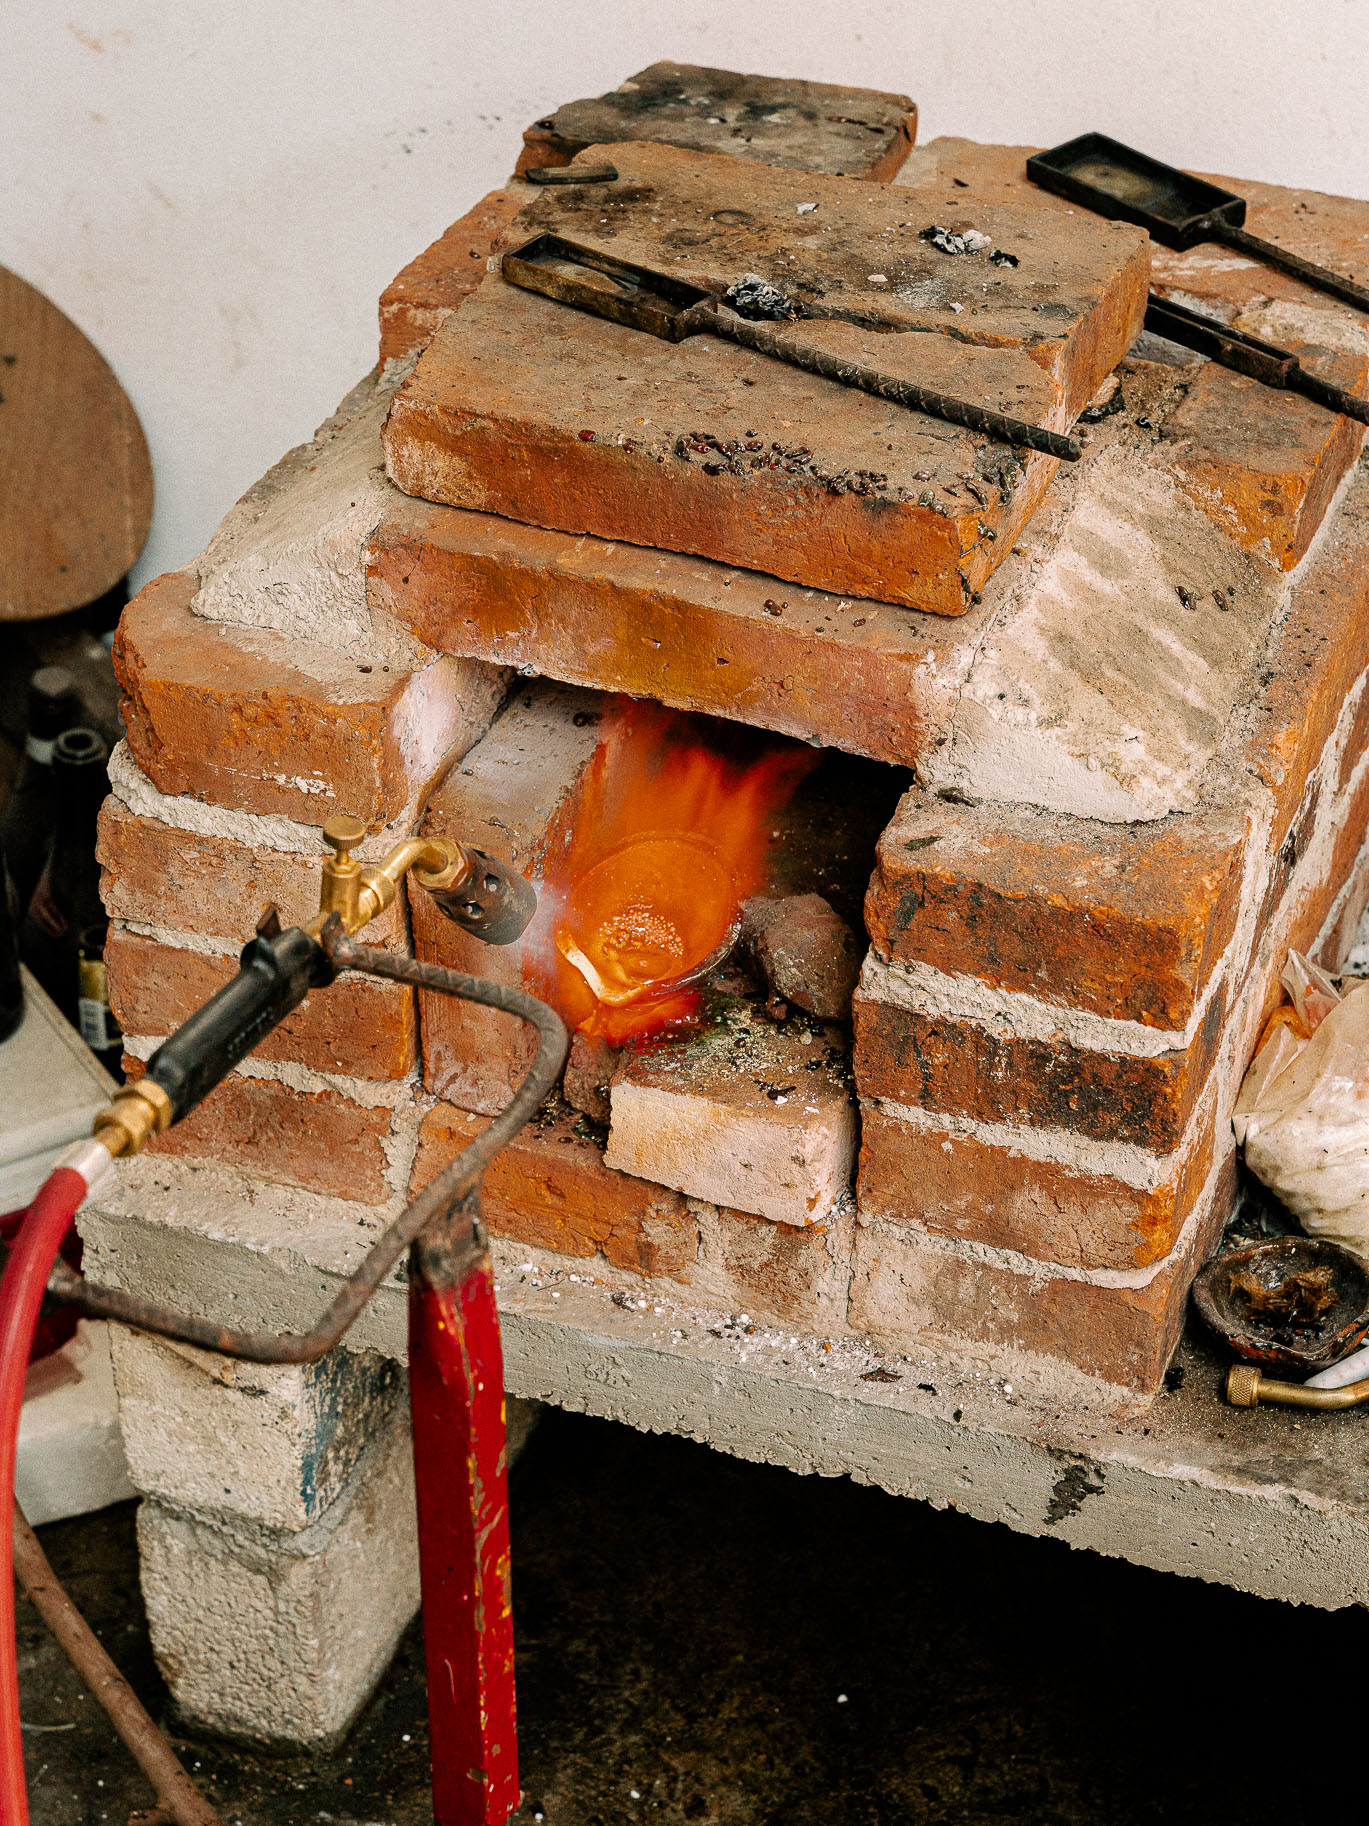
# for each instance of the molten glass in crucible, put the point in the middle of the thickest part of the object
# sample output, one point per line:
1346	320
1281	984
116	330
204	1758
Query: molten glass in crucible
657	912
669	837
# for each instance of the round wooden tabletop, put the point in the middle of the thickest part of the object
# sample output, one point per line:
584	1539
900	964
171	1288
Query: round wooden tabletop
75	474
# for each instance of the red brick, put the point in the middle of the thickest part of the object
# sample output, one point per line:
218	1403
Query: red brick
319	1140
253	721
160	875
989	1192
550	1189
861	676
522	407
811	126
918	1293
1315	658
959	1067
796	1275
512	796
1264	464
1332	230
744	1115
357	1026
429	289
1127	921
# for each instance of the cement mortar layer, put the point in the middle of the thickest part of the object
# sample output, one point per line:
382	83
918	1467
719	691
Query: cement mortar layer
1182	1483
1094	690
256	830
1119	1160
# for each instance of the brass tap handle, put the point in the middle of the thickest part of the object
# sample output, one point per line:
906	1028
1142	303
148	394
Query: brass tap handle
343	833
341	889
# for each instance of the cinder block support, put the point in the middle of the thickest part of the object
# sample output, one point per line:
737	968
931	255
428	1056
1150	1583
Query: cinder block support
278	1446
279	1547
278	1538
275	1636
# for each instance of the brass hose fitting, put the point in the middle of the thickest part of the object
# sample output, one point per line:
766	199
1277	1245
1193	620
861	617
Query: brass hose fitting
132	1117
1247	1387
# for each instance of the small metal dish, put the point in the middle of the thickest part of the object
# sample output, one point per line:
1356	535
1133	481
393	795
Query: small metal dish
1292	1301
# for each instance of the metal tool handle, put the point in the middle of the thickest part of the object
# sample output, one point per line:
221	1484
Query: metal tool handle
1262	361
1335	284
274	976
763	340
1336	399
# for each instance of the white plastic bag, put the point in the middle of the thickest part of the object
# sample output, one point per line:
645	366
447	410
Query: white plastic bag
1303	1112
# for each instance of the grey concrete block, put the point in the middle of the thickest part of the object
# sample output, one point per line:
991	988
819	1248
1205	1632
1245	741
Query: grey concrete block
279	1638
273	1445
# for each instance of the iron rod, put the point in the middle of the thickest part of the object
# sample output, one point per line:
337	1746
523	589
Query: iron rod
763	340
177	1795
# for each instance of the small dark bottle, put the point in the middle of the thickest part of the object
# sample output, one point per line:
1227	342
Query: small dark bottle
67	898
11	984
95	1020
30	813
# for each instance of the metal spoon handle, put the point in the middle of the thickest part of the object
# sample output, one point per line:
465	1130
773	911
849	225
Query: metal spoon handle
764	340
1336	398
1336	284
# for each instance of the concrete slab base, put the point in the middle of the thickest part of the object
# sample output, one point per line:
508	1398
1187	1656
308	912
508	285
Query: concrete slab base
1188	1486
1262	1500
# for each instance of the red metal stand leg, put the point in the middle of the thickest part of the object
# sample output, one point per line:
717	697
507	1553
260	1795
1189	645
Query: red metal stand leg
456	1382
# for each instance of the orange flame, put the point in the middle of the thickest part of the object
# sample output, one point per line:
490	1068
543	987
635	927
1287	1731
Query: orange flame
670	835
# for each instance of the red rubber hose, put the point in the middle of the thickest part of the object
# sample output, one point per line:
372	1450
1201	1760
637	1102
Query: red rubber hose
21	1296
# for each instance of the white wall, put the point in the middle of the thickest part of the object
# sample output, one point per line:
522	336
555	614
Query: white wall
217	190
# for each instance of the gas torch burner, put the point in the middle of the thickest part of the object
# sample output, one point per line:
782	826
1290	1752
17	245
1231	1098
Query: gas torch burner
456	1372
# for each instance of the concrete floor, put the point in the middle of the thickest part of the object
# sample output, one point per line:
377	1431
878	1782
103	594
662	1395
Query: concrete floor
744	1647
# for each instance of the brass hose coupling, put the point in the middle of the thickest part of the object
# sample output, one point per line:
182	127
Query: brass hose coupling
132	1117
1247	1387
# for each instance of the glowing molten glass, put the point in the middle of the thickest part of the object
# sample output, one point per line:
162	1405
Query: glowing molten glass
669	837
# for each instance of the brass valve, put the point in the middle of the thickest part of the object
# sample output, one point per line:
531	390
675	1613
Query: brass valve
132	1117
359	893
